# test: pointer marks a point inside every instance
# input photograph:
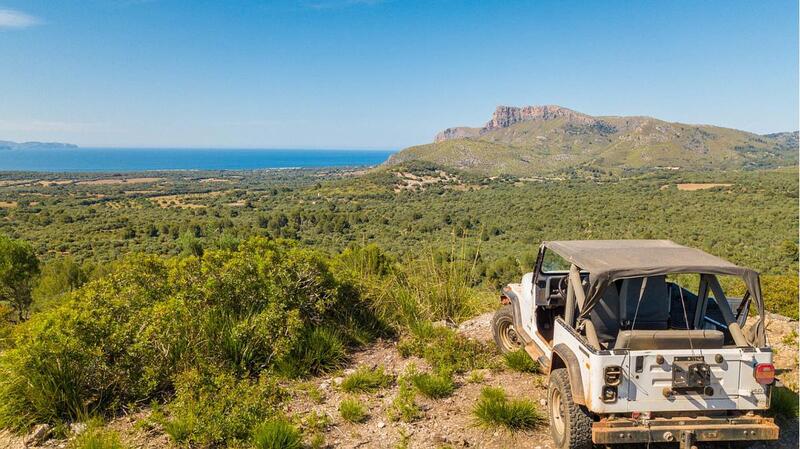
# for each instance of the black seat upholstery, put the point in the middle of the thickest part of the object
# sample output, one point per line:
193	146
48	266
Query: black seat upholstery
654	307
617	307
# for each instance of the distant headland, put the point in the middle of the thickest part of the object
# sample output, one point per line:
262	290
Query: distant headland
9	145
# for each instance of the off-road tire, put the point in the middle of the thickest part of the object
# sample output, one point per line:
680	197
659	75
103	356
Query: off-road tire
574	420
505	336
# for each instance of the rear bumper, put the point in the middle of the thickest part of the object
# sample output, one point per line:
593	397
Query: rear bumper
665	430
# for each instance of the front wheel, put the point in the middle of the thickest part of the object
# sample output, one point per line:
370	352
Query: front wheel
570	423
505	336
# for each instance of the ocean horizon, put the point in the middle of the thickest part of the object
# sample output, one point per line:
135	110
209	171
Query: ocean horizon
96	159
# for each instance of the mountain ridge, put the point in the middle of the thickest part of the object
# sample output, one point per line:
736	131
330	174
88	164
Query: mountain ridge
534	140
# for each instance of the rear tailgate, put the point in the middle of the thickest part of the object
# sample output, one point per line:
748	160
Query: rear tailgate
650	385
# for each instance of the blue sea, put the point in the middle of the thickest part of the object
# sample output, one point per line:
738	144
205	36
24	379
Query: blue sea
137	159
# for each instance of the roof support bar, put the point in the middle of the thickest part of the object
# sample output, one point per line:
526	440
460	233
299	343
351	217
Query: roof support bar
569	308
576	294
702	302
575	279
727	313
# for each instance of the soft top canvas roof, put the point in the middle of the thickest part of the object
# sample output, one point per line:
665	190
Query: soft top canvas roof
610	260
617	259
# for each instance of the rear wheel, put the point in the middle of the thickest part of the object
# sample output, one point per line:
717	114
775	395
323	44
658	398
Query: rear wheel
570	423
505	336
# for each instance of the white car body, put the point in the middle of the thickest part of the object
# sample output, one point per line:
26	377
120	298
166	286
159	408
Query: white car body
647	401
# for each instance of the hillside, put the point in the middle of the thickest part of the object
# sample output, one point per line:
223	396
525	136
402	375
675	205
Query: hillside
535	140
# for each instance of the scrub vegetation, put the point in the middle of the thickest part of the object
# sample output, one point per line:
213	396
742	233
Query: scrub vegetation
520	361
352	411
495	409
213	302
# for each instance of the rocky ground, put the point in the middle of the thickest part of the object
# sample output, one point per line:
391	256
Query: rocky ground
446	422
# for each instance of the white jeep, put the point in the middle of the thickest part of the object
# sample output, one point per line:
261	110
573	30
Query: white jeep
633	354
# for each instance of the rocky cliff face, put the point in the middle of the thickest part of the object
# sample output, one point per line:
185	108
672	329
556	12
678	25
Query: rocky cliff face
505	116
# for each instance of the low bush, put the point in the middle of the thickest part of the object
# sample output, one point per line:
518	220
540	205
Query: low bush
366	380
97	438
790	339
520	361
476	376
495	409
436	287
785	402
277	434
214	409
403	406
352	411
445	350
320	350
780	294
314	426
126	337
434	386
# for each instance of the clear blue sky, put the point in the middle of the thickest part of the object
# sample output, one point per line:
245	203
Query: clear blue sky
380	74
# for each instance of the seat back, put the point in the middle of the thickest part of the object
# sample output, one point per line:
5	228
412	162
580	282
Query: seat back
669	339
654	307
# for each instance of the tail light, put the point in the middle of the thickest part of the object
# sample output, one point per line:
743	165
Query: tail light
765	373
613	375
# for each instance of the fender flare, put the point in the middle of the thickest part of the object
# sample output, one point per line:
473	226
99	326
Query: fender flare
573	367
513	299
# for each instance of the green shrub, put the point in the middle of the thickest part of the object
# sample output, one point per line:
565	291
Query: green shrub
403	407
780	294
97	438
125	337
366	380
277	434
445	350
436	287
319	350
212	409
352	411
785	402
495	409
180	429
314	426
365	262
434	386
521	361
790	339
476	376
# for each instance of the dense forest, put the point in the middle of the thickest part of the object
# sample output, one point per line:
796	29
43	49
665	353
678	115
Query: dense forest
209	297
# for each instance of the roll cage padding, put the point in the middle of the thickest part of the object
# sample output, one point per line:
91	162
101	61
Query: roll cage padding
570	361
